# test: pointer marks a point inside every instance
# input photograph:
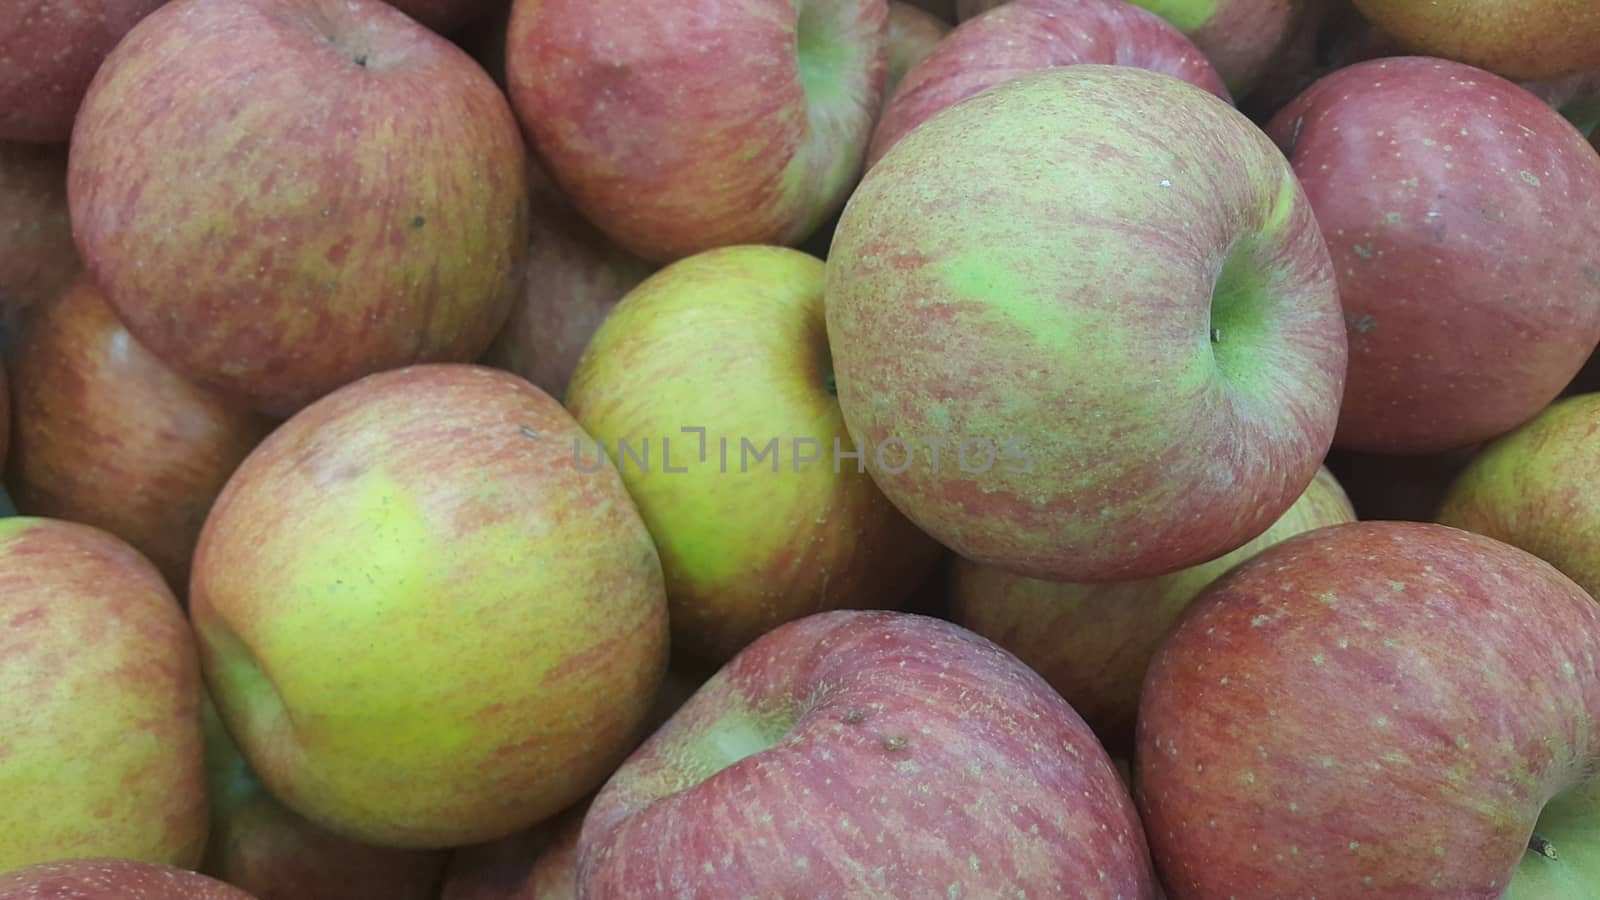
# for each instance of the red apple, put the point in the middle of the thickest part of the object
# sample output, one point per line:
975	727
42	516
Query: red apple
49	51
1381	709
1240	37
1525	39
575	275
1464	220
259	845
913	33
100	743
107	435
347	195
112	879
1094	642
37	259
1027	35
681	127
868	754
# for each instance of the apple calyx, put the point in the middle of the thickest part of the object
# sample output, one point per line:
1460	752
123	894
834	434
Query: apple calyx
1542	846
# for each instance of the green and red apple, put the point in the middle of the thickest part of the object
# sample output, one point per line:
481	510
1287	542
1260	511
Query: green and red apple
107	435
1094	642
681	127
100	742
1538	488
1380	709
1029	35
346	195
421	621
1085	328
711	387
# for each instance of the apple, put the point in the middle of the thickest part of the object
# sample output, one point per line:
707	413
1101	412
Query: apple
1029	35
1538	488
422	621
112	879
681	127
1381	709
100	745
1526	39
49	51
541	863
1094	642
913	33
1084	326
575	275
710	388
1407	488
105	434
258	845
1239	37
347	195
859	754
37	258
1464	220
1577	97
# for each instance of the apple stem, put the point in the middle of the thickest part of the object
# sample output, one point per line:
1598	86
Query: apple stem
1542	847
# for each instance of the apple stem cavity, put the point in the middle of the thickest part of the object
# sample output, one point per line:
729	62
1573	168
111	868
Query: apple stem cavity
1542	846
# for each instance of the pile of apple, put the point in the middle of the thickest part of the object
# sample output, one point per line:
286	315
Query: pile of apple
492	449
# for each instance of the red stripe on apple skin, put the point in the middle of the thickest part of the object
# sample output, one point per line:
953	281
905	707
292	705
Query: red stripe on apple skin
1095	352
675	129
1463	216
905	755
1384	701
1027	35
221	250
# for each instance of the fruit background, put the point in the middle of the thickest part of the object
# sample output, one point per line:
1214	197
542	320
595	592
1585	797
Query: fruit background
506	449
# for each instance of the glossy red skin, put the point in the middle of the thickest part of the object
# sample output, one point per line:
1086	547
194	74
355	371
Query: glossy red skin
107	435
49	51
1027	35
574	275
349	194
37	258
1268	714
1240	39
86	626
112	879
1468	265
672	127
919	756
